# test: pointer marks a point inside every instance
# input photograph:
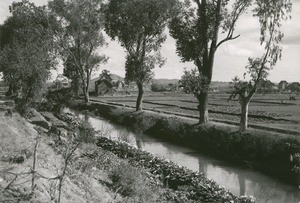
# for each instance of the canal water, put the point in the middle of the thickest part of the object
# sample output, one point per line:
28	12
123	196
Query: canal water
238	180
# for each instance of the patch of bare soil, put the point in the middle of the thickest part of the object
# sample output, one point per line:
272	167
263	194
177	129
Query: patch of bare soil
17	151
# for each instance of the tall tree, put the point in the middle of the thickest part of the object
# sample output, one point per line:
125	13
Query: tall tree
139	27
79	36
71	72
196	31
270	14
26	49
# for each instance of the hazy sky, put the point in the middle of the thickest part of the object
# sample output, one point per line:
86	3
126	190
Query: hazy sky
231	57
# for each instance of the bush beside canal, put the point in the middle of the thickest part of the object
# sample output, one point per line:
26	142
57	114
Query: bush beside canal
188	184
272	153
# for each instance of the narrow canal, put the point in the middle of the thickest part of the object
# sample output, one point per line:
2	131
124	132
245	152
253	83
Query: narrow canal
238	180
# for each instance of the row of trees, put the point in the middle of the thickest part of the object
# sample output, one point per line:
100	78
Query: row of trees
72	30
196	31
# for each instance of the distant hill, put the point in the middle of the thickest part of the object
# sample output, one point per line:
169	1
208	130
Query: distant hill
165	81
219	84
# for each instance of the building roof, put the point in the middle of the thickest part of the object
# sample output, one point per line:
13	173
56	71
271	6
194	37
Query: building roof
116	77
283	81
113	77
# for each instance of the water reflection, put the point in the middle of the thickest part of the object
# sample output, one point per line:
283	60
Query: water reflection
242	185
239	180
139	142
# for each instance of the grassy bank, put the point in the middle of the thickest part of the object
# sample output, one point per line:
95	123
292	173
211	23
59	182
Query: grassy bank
272	153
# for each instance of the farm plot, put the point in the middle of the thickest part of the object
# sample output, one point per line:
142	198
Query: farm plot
272	110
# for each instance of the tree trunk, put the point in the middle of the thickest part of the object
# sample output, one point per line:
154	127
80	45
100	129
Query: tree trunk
140	97
86	94
77	91
76	87
244	115
203	112
10	90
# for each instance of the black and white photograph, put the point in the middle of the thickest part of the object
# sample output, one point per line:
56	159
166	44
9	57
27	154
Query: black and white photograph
150	101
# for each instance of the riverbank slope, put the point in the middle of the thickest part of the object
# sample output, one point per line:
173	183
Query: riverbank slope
20	149
34	156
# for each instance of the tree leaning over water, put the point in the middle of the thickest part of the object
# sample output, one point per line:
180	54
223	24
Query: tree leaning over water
79	37
139	27
196	31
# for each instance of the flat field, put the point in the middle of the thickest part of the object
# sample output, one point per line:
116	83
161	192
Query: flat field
267	110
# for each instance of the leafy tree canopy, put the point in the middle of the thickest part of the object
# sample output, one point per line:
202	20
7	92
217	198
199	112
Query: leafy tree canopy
79	37
26	49
194	82
139	27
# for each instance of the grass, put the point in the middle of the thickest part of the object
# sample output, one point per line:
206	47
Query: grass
13	142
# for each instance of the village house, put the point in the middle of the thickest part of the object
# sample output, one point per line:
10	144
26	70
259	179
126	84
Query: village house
293	87
282	85
106	83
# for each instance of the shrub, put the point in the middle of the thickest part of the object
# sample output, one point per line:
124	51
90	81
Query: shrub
158	87
22	107
125	179
295	159
56	99
86	132
189	184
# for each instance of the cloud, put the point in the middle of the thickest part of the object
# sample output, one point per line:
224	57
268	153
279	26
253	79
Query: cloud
234	50
292	39
291	28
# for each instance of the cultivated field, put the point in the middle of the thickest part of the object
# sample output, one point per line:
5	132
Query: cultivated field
269	110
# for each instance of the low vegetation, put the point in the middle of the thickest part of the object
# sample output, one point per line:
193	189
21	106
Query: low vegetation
189	185
55	100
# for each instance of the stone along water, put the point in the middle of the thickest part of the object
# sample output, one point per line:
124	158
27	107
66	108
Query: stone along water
237	179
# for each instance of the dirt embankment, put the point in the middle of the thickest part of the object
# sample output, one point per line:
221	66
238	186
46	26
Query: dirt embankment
18	140
265	151
33	162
